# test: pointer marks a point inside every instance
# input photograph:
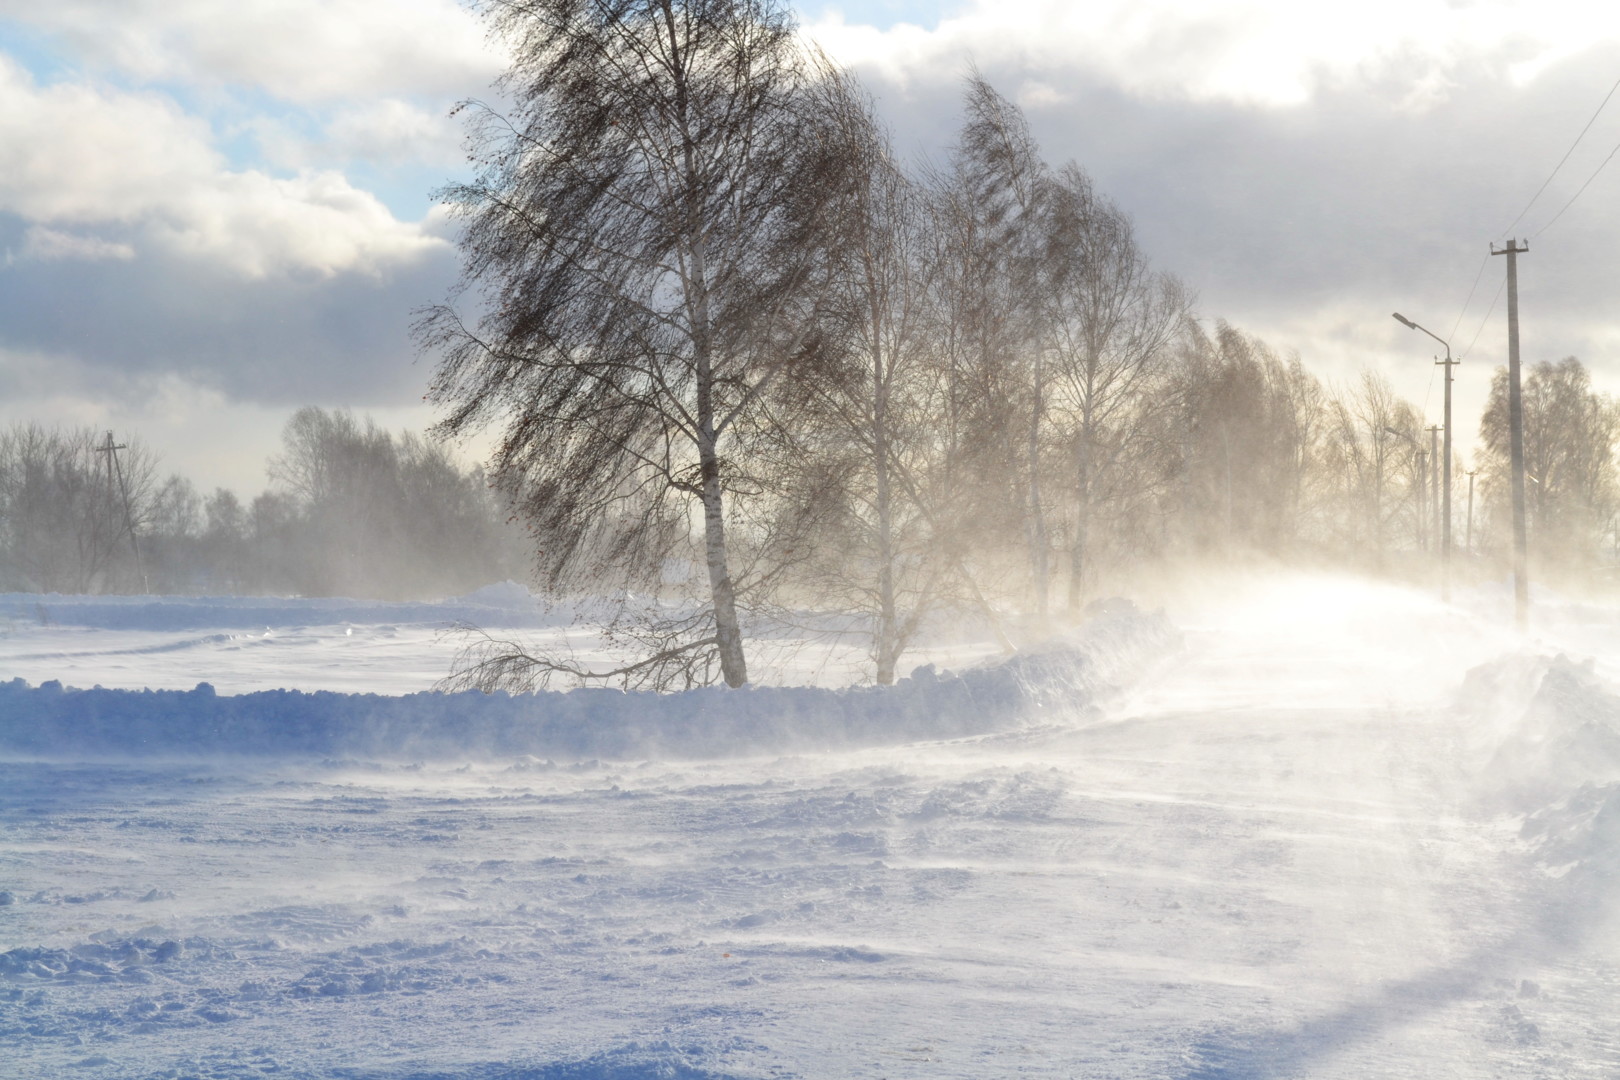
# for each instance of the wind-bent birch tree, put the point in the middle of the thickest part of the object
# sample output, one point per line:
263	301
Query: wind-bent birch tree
646	236
869	435
1004	187
1110	320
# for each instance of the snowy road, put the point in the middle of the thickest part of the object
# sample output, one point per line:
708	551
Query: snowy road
1276	857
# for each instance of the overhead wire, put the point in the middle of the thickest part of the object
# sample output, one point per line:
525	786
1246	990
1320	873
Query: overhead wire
1560	165
1527	207
1478	274
1577	194
1428	393
1485	320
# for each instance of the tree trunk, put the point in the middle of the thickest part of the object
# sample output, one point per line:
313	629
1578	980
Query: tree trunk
1082	527
887	646
722	593
729	634
1040	570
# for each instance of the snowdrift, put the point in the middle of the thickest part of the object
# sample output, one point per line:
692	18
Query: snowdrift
1062	677
1549	747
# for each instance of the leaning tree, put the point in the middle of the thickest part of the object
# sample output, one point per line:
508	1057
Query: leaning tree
647	242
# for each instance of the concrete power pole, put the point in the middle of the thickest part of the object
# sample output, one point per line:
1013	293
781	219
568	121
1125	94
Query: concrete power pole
1521	544
1434	492
1445	534
1468	537
1420	511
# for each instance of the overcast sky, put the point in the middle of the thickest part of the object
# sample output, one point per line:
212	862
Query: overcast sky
212	213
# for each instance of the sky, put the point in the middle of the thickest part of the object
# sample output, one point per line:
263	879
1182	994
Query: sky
212	214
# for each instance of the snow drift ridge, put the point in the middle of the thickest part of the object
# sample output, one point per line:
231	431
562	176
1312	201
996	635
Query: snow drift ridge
1552	735
1065	674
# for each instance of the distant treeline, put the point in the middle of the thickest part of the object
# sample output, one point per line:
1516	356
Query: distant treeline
352	510
1229	451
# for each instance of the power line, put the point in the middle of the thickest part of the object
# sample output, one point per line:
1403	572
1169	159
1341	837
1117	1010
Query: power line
1577	195
1483	260
1560	165
1427	394
1485	320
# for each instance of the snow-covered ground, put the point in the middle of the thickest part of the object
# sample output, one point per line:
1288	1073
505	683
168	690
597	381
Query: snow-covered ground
1341	830
241	644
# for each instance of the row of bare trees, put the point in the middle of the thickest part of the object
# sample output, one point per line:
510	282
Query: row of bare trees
1572	497
743	360
64	516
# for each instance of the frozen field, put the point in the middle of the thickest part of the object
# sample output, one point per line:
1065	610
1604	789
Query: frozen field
240	644
1337	831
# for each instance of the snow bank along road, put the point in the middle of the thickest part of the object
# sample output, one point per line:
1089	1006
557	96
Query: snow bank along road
1340	832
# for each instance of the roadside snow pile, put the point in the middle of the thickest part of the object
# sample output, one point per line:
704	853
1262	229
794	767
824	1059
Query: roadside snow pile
1556	762
503	605
1067	675
1567	733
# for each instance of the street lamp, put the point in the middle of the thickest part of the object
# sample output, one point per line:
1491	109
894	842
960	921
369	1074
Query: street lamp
1445	472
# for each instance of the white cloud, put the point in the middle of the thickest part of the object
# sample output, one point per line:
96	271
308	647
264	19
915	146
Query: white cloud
394	131
316	221
304	51
1260	52
49	245
77	155
319	222
1040	95
388	132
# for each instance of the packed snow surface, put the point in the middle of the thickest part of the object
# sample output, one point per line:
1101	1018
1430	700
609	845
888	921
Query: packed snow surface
1320	829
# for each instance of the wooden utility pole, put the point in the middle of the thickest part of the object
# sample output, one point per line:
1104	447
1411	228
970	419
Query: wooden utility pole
114	468
1521	544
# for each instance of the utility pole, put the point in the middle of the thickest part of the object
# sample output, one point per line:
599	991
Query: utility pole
1521	544
1434	489
1445	520
1420	512
113	467
1468	541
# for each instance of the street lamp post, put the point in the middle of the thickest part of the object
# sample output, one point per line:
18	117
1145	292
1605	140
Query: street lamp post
1445	470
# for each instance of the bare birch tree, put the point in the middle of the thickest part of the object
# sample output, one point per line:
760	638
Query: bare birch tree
1570	432
1110	320
1250	423
646	237
868	441
1368	430
998	192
